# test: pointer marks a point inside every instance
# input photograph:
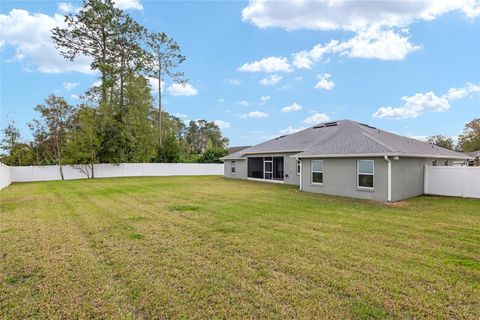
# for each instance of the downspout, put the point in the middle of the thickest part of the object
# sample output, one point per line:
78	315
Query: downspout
389	178
301	174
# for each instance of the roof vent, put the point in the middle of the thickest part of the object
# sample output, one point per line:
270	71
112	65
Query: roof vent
326	125
331	124
366	125
280	137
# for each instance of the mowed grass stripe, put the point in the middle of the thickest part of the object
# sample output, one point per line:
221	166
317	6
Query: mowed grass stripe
207	247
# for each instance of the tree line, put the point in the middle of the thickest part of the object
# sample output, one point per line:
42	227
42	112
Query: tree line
116	121
468	141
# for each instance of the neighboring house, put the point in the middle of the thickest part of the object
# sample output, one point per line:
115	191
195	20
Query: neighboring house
474	158
344	158
236	149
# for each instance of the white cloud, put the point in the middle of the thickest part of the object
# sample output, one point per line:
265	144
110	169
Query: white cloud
460	93
368	43
29	34
291	108
350	15
178	89
255	114
221	100
154	84
75	96
243	103
290	130
69	85
316	118
377	43
233	82
324	82
222	124
271	80
270	64
128	4
265	98
416	105
67	7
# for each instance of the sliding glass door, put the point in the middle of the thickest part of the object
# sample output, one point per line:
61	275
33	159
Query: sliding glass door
267	168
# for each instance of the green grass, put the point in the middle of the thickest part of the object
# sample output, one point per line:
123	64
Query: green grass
208	247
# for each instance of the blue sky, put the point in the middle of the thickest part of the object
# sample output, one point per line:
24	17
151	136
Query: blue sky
261	69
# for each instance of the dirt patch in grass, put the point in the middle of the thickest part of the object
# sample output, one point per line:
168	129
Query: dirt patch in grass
397	204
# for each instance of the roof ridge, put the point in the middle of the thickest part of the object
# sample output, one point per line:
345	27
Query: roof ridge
379	142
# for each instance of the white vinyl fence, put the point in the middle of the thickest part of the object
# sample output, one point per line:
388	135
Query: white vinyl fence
453	181
47	173
4	176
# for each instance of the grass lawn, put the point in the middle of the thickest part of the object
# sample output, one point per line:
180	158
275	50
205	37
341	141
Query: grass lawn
208	247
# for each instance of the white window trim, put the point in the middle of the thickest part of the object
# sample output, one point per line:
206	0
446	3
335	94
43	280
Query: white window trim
265	169
311	173
233	166
366	174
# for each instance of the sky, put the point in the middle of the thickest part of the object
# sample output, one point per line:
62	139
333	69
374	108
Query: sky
266	68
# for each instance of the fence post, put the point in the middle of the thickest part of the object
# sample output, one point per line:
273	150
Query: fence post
464	181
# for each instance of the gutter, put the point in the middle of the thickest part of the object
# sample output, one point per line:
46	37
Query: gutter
301	174
389	178
406	155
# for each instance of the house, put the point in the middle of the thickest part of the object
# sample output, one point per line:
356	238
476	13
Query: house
474	158
344	158
236	149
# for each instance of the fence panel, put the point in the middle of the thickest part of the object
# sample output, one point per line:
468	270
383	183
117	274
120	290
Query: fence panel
5	179
47	173
453	181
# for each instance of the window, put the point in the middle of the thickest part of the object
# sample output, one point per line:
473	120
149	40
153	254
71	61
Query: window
298	167
365	173
434	163
317	171
446	163
233	168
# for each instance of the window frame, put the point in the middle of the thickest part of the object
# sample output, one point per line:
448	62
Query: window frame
316	171
233	167
366	174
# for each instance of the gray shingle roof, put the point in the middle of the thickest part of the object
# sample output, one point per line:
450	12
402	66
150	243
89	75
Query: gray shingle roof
345	138
473	154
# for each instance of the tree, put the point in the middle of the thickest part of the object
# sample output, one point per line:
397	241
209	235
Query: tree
17	152
92	32
165	58
11	137
213	155
441	141
40	143
140	120
83	144
170	150
57	116
469	140
202	132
